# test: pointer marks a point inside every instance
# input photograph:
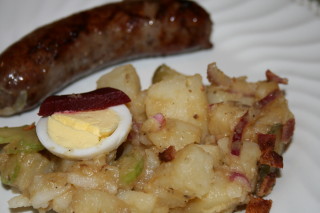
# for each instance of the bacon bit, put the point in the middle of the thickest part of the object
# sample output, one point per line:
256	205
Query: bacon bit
269	98
266	141
237	134
266	185
272	159
241	178
258	205
159	117
287	130
269	156
273	77
168	154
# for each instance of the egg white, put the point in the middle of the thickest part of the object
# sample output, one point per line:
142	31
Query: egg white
106	145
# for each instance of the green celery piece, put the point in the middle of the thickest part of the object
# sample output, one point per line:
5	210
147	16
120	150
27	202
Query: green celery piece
132	174
23	146
20	139
131	165
11	177
11	169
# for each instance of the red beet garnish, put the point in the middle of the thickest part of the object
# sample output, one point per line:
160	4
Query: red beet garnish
95	100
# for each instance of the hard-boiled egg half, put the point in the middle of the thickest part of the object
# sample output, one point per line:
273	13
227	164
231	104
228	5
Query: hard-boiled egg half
84	134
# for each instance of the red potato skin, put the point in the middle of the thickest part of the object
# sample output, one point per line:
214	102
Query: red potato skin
57	54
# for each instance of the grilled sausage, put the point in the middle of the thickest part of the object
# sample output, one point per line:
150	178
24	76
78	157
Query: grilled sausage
55	55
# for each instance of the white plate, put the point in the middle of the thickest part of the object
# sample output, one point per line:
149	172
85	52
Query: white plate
250	36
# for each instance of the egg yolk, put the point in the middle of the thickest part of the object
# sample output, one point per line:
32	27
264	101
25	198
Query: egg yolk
82	129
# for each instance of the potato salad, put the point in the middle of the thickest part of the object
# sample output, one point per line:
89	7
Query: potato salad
188	148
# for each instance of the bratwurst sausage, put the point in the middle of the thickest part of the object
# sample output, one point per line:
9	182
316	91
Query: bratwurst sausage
55	55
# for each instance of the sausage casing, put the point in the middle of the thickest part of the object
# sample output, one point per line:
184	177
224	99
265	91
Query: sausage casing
56	54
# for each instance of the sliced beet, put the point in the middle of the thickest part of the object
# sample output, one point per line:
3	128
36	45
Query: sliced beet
95	100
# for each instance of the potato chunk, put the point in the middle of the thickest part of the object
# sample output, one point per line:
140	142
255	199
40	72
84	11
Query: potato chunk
46	188
175	133
18	170
223	196
223	117
180	97
95	201
124	78
164	72
139	202
182	179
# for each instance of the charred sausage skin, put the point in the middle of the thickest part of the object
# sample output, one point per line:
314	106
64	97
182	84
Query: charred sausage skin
55	55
